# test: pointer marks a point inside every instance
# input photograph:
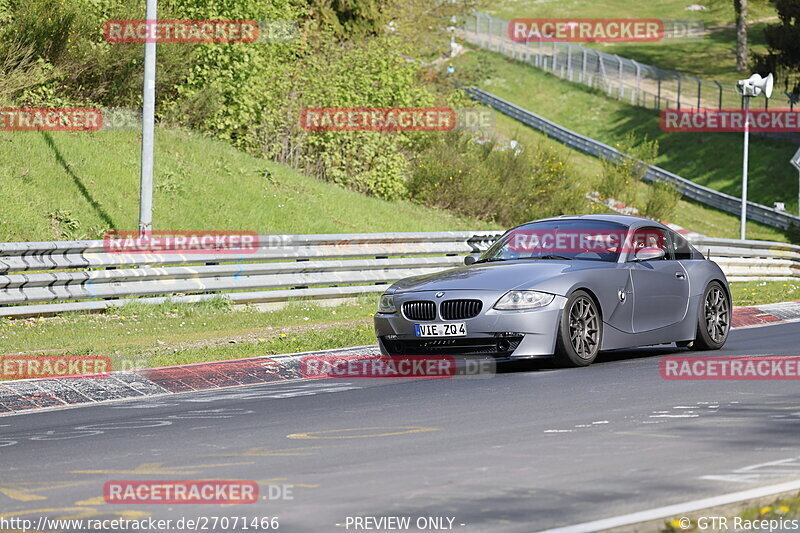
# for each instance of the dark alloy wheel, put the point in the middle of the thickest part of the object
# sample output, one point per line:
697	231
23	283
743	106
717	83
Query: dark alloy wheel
580	331
714	319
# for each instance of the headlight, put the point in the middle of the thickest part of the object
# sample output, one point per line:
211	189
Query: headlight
516	300
386	305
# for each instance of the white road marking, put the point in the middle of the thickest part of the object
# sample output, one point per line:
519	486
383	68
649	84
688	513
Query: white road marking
751	474
678	509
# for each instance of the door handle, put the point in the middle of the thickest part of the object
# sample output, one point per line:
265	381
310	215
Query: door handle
680	275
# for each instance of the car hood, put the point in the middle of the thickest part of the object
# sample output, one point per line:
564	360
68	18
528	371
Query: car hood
503	276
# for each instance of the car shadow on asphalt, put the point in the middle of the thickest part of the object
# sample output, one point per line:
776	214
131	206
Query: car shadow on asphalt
610	356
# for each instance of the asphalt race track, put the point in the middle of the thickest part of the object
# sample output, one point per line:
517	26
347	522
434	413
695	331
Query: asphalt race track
528	449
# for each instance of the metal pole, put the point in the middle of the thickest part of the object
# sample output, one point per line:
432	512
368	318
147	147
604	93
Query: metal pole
744	163
148	122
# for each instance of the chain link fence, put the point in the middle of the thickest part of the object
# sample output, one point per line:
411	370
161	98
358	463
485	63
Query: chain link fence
621	78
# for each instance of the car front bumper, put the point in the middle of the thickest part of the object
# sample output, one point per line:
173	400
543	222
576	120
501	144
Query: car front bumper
503	334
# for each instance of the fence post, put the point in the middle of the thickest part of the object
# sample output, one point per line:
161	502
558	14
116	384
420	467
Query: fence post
539	54
658	102
583	66
638	81
720	93
555	57
621	73
699	92
569	62
679	89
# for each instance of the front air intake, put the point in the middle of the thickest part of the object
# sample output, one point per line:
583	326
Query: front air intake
419	310
461	309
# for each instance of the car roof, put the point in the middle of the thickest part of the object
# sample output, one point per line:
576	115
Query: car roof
625	220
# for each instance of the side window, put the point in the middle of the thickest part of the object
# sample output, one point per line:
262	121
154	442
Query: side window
652	238
681	247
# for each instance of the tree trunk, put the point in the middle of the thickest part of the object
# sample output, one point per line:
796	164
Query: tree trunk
740	7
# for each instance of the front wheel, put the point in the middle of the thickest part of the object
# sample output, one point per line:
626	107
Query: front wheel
714	318
580	331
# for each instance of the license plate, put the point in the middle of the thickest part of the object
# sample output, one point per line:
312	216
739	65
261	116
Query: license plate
455	329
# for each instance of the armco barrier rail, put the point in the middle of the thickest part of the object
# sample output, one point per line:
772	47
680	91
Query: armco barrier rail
689	189
47	278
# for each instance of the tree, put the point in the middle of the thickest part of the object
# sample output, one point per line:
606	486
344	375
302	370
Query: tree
740	8
783	43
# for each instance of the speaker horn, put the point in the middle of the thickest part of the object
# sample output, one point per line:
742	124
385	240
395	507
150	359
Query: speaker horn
755	85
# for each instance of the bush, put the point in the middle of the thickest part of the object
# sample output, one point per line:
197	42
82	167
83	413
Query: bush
620	177
498	183
662	201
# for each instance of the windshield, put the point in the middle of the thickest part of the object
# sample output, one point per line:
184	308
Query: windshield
592	240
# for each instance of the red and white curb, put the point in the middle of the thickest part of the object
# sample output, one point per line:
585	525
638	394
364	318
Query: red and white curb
33	394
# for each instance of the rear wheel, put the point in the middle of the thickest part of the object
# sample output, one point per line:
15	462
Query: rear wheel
580	331
714	318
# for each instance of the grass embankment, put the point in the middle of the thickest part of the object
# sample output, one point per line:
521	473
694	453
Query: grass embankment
78	185
711	159
694	156
712	56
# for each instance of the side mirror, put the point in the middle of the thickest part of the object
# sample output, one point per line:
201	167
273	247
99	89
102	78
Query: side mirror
470	259
649	254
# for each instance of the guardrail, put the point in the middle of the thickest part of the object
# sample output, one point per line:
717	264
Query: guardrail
587	145
47	278
752	260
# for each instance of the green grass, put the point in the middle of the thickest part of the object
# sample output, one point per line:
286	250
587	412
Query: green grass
143	336
587	169
764	292
712	56
78	185
711	159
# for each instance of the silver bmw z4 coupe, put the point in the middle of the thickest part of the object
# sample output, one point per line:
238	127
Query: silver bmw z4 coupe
563	287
